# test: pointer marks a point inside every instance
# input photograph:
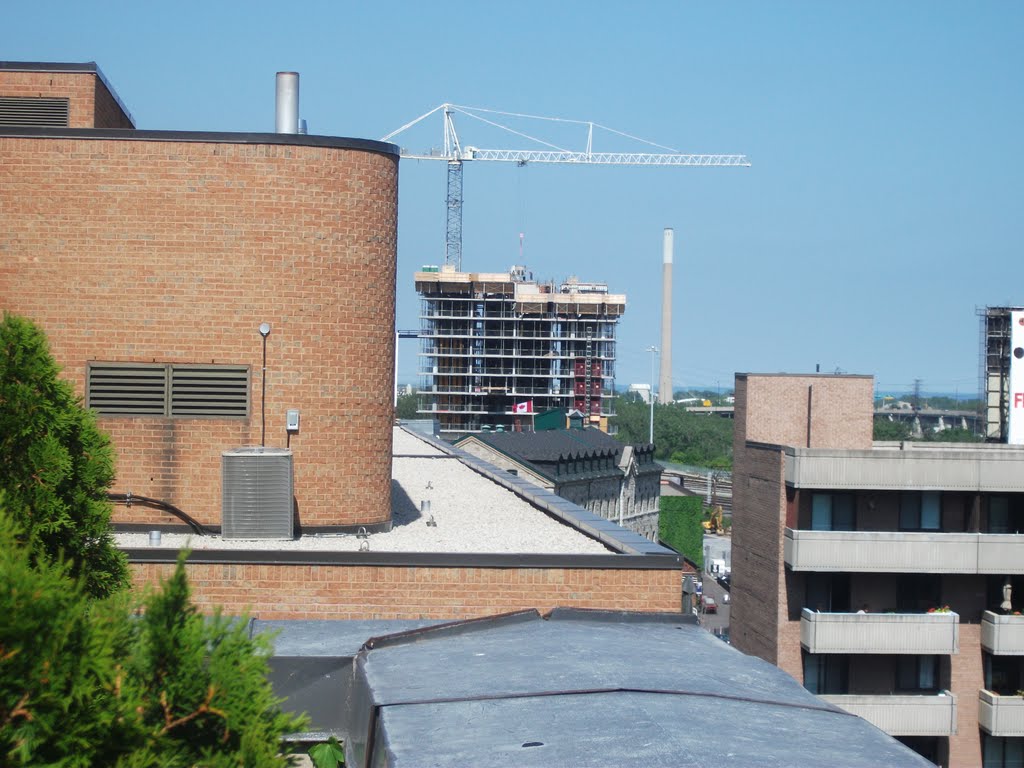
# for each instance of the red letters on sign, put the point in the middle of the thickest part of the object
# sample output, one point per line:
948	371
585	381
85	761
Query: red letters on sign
1018	399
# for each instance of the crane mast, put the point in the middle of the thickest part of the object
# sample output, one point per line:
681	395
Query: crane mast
455	154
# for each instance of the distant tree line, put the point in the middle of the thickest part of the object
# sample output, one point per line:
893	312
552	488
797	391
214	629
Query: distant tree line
682	437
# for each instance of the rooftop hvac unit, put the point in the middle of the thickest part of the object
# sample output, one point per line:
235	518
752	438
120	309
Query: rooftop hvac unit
256	485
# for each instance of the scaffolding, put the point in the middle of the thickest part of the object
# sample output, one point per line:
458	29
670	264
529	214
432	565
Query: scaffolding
490	341
994	367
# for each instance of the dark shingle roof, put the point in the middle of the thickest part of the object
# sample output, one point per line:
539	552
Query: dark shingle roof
552	445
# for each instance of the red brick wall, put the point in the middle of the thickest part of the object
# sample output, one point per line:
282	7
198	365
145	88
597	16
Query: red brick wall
777	408
758	588
107	112
405	592
90	104
175	252
967	678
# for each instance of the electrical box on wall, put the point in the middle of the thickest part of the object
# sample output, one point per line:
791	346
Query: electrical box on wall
292	420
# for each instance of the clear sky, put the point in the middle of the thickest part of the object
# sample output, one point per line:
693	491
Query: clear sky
884	204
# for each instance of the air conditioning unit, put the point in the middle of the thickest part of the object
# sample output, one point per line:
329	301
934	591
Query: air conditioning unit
256	493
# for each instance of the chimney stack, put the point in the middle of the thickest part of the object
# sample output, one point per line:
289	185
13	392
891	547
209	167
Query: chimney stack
287	102
665	380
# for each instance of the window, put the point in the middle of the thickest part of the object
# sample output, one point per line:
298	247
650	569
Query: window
832	512
1002	752
917	673
917	592
920	511
999	514
827	592
168	390
826	673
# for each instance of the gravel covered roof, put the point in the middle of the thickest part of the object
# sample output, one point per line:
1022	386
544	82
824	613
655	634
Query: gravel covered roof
472	514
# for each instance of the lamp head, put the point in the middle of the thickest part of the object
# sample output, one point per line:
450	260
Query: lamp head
264	330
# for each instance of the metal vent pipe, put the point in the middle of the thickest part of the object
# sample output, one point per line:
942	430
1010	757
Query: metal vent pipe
665	382
287	102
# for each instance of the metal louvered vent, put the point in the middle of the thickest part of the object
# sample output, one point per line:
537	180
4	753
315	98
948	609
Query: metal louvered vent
256	488
204	390
127	389
158	389
21	110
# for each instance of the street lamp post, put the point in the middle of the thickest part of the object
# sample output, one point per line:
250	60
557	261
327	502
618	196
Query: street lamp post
654	353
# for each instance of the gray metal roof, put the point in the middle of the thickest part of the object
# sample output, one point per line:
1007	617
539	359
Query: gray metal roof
592	689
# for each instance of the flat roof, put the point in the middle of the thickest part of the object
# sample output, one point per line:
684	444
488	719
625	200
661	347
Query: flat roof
475	508
591	688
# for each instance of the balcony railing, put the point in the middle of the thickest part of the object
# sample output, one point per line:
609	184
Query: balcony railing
899	552
1001	715
903	715
890	633
1002	635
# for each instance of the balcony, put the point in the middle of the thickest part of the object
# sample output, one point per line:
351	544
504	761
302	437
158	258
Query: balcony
1001	715
889	633
1002	635
900	715
899	552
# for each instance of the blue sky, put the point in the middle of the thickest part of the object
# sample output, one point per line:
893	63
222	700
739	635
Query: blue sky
883	205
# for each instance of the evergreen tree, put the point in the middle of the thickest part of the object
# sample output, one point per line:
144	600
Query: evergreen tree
85	683
55	464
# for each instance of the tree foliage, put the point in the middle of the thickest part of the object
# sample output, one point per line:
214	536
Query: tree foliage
679	526
680	436
406	408
84	682
55	464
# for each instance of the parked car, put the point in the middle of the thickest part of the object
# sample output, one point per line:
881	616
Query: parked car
708	604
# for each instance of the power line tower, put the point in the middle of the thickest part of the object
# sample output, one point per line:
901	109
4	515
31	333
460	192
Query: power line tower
455	153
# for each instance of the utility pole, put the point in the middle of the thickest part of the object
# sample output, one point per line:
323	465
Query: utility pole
654	354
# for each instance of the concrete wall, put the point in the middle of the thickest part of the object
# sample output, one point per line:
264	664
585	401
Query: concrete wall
174	252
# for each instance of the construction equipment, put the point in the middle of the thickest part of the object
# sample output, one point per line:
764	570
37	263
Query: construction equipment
455	153
714	523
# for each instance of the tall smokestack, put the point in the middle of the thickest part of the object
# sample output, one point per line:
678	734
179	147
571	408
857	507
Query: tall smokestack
665	380
287	113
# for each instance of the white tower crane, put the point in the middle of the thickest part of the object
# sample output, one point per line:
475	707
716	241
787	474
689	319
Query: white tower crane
455	153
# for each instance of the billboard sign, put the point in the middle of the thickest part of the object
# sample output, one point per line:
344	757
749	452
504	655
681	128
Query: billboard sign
1015	418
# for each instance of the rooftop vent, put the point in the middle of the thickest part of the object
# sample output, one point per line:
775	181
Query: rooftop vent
31	111
257	488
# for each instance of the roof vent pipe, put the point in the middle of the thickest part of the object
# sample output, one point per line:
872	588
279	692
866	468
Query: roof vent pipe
287	102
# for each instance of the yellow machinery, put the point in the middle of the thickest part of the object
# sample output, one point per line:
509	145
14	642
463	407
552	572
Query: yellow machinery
714	523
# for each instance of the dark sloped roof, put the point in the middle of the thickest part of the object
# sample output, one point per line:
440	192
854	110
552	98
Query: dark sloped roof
590	688
552	445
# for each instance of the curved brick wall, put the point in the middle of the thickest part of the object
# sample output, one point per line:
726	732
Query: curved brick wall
175	248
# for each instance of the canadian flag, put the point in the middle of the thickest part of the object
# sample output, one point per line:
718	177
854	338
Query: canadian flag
526	407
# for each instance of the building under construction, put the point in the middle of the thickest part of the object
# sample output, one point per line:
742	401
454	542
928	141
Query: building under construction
498	347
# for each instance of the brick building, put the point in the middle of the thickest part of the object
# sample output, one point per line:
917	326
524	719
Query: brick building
151	258
884	576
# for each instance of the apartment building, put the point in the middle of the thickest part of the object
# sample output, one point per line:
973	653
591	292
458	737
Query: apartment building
496	348
886	577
